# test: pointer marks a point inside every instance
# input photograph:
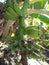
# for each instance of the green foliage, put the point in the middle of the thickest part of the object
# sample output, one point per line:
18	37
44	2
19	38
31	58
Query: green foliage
12	43
45	44
17	43
39	4
34	56
43	18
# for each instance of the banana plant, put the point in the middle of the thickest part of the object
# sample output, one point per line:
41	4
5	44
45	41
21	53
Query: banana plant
17	41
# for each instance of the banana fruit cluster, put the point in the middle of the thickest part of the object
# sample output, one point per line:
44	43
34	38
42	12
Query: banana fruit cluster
12	10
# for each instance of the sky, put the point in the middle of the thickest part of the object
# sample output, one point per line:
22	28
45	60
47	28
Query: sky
2	0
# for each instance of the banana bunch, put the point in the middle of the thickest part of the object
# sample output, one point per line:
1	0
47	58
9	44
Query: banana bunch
12	10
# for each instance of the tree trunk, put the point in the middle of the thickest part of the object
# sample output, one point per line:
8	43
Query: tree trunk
24	58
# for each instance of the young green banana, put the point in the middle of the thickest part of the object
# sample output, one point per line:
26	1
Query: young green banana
7	15
12	17
16	8
12	12
9	3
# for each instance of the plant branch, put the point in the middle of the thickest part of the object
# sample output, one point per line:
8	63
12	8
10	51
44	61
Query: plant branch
25	6
30	2
39	11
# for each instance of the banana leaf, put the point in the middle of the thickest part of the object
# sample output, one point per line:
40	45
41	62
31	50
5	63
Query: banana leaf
39	4
43	18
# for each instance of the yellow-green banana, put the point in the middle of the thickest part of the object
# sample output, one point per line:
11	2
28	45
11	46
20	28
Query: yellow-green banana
12	12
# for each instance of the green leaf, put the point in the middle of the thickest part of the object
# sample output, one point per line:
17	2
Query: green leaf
46	44
39	4
34	56
13	44
43	18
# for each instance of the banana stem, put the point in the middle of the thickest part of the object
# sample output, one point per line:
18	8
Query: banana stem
25	6
21	31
